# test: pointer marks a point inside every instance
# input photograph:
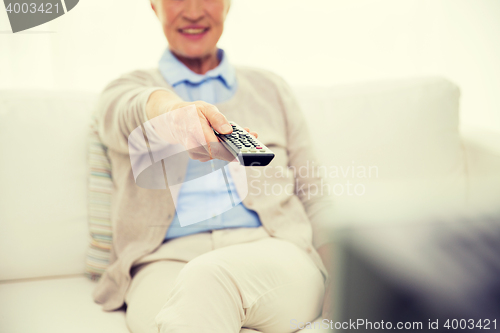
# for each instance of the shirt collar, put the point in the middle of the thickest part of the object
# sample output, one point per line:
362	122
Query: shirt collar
176	72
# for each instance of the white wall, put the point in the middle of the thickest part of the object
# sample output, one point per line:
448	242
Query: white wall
308	42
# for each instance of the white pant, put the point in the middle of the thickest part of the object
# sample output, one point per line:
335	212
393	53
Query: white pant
230	280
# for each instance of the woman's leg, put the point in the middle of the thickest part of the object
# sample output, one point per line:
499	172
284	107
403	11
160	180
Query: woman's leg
267	285
148	293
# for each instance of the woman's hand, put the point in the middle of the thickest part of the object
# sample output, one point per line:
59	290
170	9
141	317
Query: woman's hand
190	124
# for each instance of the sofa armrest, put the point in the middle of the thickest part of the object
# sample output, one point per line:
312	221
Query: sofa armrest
482	152
482	158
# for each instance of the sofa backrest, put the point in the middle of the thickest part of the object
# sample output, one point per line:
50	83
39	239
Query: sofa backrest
43	196
407	128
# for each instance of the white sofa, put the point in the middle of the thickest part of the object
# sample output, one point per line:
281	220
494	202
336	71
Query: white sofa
407	129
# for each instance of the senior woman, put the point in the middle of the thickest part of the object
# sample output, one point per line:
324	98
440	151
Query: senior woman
255	267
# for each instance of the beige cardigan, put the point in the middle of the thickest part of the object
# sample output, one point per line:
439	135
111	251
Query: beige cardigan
141	217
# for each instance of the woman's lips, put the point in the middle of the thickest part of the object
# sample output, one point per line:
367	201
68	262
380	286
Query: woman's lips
193	33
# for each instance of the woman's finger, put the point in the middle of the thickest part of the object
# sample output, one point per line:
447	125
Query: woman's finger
248	130
216	119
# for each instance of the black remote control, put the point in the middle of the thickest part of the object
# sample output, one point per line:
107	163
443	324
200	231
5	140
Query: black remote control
245	147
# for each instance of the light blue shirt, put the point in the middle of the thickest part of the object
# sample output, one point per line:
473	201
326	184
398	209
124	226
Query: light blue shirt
216	86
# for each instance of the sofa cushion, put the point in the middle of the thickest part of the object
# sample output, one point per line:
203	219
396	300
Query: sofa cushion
100	189
56	306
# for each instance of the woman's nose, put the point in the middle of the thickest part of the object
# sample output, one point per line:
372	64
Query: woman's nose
193	9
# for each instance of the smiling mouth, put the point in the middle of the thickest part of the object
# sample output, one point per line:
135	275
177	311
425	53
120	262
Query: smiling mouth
191	31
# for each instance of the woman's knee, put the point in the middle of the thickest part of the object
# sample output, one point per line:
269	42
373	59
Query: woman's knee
207	266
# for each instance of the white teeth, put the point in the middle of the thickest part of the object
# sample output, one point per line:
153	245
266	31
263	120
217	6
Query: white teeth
193	31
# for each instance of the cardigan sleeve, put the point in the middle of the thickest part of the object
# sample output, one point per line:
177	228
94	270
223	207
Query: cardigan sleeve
122	108
318	205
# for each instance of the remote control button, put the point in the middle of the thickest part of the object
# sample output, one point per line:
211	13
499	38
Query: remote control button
258	147
253	150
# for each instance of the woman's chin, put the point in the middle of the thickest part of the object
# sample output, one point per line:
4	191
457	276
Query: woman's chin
195	51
